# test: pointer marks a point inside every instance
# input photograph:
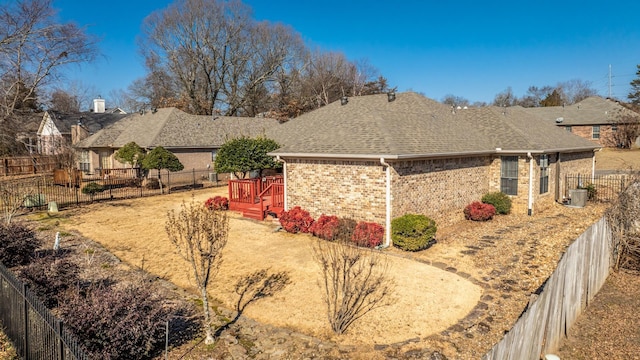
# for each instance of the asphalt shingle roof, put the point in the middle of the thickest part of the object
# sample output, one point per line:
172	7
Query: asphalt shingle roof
590	111
173	128
415	126
93	122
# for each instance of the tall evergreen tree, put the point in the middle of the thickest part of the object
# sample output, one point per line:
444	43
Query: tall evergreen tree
634	95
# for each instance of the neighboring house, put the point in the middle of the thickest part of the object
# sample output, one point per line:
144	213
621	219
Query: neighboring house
59	130
594	118
379	157
194	139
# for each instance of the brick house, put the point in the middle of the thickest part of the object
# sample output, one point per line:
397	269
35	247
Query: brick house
194	139
381	156
596	119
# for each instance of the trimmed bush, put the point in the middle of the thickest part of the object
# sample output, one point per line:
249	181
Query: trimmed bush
478	211
92	188
49	277
592	192
413	232
118	322
217	203
18	244
368	234
296	220
326	227
499	200
345	230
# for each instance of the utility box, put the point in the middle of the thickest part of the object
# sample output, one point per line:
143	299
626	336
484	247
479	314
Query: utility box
213	177
578	197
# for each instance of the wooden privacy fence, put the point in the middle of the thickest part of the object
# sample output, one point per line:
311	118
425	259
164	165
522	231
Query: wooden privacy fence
33	330
600	187
27	165
580	274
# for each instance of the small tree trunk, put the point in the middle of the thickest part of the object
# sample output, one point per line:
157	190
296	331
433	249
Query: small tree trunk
160	182
207	317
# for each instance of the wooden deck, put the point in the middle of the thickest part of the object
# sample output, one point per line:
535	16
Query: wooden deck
257	198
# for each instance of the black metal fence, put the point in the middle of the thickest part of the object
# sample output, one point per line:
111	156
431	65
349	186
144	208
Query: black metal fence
33	330
599	187
111	184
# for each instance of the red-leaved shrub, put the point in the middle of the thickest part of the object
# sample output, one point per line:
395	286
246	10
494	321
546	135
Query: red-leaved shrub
217	203
368	234
296	220
478	211
326	227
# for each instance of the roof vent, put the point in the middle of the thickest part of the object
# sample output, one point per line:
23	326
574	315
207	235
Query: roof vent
559	120
344	100
391	95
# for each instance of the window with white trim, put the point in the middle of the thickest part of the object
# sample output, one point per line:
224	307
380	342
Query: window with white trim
509	175
84	163
595	132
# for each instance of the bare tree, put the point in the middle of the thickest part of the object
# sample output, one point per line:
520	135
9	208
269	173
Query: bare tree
624	131
217	56
622	218
576	90
64	102
34	47
354	281
200	235
505	98
15	195
453	100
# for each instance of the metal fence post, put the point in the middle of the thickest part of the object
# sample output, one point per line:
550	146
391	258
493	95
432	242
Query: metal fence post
60	342
25	304
194	177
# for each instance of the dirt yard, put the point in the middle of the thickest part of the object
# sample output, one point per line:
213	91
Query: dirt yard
457	298
133	230
618	159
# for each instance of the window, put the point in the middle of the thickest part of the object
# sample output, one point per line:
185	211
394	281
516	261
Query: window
568	128
105	159
595	134
614	127
214	153
83	162
509	175
544	174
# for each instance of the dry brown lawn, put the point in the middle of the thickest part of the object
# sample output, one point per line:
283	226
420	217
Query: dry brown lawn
618	159
427	299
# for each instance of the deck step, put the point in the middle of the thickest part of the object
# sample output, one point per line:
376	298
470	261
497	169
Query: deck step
253	213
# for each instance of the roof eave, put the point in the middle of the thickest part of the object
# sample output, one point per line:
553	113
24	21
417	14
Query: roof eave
427	155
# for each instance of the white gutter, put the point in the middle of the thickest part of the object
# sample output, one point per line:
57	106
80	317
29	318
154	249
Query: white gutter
530	205
284	176
387	227
593	165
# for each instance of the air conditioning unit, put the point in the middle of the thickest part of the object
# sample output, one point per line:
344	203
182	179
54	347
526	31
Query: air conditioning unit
213	177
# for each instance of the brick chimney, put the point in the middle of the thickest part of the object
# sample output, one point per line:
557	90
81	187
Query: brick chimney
78	133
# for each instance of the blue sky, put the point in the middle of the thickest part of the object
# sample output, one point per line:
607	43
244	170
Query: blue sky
473	49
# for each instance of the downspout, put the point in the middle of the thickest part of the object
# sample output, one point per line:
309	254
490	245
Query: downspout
593	165
284	176
387	228
530	205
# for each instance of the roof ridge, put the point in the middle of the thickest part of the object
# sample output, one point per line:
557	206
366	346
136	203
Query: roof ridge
164	122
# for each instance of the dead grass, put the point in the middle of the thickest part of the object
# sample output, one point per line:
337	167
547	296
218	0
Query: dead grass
428	299
457	297
618	159
7	352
